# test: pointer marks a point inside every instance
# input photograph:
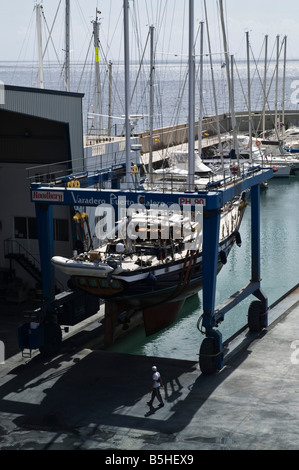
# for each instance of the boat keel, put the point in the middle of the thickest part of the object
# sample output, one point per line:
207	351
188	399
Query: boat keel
158	317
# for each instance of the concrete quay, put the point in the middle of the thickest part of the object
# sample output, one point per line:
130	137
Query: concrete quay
94	399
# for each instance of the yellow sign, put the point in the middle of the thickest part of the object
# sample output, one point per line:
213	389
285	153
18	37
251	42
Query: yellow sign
96	49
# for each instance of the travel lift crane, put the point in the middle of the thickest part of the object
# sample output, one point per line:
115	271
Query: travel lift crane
47	337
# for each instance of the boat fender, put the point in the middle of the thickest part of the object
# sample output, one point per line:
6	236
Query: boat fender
238	239
223	257
151	279
234	169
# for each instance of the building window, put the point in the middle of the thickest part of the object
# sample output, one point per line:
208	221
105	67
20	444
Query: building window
26	229
32	228
21	227
61	230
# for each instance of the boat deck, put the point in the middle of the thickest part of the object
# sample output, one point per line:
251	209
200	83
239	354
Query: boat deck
92	399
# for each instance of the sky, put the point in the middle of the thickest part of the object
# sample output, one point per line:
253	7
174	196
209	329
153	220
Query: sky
260	18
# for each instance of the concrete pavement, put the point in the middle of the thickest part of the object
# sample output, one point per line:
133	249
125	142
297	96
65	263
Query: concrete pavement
94	399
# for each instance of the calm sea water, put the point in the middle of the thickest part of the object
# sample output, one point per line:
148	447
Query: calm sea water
170	89
279	267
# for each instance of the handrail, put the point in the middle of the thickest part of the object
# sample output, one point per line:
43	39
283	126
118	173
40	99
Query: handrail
11	243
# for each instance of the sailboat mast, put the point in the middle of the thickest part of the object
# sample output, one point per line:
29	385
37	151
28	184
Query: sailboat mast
213	84
98	97
226	54
39	44
249	98
200	92
191	131
67	45
152	72
284	82
109	105
127	92
276	87
265	85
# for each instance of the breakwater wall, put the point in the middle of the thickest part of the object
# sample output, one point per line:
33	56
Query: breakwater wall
178	134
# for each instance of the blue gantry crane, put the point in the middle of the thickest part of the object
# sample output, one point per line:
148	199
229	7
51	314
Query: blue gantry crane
83	189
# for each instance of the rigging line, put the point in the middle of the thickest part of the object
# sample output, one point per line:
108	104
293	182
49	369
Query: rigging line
180	99
171	29
274	73
163	41
163	17
256	70
87	30
84	65
155	20
139	69
120	100
268	66
258	60
109	40
243	92
211	66
147	13
177	108
50	37
244	95
118	27
23	43
183	37
241	85
50	32
109	20
135	18
82	16
219	28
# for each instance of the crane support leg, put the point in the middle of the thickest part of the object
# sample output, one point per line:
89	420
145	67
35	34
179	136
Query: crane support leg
211	357
44	216
258	310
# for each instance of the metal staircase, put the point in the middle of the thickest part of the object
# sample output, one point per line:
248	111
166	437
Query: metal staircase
14	251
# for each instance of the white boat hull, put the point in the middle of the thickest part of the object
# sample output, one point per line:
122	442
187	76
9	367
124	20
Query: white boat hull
83	268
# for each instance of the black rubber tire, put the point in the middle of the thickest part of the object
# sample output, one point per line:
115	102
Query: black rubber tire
255	316
207	359
52	340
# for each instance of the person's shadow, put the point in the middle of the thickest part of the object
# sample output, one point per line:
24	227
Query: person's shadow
175	387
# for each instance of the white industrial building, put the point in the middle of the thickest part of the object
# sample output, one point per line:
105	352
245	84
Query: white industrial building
41	130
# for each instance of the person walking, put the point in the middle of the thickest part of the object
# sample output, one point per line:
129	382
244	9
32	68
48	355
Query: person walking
156	384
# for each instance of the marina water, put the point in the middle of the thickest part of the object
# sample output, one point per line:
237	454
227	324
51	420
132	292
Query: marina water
279	272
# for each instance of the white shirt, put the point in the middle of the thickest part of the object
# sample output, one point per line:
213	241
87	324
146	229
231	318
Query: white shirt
156	377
